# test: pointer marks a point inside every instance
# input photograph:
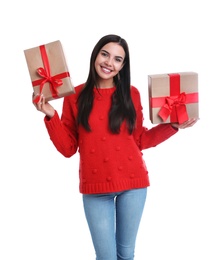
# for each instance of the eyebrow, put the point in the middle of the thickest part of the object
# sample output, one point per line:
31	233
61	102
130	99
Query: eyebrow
119	57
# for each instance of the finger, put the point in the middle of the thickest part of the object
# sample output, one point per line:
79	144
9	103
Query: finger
190	122
193	121
35	98
39	104
43	100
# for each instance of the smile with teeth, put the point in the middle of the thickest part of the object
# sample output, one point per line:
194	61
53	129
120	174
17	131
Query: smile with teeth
106	70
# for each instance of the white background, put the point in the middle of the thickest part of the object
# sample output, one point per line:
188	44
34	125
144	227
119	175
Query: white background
41	213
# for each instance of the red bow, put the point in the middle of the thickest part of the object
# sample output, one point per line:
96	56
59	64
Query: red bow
177	104
53	81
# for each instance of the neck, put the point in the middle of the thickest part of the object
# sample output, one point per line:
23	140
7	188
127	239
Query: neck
106	83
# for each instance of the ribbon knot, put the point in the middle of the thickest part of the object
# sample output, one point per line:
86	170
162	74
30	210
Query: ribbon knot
177	104
54	81
176	100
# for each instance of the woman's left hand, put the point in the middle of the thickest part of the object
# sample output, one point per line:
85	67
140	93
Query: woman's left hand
190	122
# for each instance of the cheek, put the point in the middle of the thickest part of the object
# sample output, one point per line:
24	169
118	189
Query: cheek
96	65
96	62
118	67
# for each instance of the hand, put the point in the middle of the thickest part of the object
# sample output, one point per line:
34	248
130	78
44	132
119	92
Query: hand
190	122
43	106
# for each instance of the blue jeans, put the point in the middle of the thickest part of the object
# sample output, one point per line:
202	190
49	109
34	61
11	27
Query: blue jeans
113	220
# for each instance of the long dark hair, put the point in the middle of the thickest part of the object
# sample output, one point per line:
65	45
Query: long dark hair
122	107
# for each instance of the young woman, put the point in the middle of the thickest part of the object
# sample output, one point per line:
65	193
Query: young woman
103	121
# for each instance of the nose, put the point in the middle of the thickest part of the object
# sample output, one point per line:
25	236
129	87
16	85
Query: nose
108	61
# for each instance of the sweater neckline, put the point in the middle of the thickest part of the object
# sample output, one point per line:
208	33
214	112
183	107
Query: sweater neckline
104	90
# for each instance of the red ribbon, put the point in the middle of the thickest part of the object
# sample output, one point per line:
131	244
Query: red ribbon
174	105
54	81
177	104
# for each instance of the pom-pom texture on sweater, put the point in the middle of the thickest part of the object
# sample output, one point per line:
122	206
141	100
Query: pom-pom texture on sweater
108	162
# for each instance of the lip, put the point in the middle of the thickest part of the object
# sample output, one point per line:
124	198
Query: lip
105	69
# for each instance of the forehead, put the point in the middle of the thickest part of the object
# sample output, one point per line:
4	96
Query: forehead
114	49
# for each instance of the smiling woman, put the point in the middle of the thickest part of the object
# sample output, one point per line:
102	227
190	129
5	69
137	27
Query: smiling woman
108	63
103	120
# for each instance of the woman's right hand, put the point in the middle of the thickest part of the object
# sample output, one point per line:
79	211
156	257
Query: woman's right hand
43	106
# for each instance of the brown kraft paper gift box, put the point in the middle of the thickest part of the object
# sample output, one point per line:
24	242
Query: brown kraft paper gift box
173	97
48	71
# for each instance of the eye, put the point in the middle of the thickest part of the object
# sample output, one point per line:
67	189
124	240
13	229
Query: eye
103	53
119	59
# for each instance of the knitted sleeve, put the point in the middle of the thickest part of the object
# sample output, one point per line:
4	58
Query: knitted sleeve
63	132
144	137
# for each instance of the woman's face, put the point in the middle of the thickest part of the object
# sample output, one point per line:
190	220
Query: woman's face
109	61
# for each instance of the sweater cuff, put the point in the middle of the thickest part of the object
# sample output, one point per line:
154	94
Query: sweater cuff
169	130
176	129
52	122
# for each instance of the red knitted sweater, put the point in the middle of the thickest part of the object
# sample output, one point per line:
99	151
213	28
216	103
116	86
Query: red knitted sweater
108	162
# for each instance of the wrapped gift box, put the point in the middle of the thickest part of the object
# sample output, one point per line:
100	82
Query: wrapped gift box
48	71
173	98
